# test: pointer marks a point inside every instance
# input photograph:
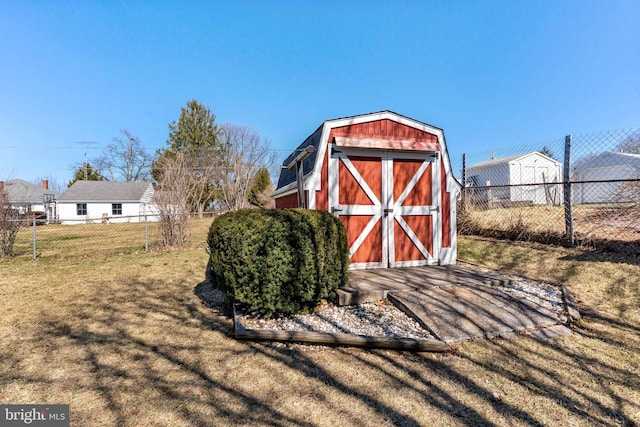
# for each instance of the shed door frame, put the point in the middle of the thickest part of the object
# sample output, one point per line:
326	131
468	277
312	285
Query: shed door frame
385	209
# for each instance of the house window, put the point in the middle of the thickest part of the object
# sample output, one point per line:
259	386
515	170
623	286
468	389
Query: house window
116	209
81	208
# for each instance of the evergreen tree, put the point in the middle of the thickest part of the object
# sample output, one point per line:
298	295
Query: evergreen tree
195	134
259	190
547	152
85	172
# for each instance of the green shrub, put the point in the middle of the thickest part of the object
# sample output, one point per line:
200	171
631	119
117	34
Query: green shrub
278	260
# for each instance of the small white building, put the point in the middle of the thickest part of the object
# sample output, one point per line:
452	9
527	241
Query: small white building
107	201
531	177
610	168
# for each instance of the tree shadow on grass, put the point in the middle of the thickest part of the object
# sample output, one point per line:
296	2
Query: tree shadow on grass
144	353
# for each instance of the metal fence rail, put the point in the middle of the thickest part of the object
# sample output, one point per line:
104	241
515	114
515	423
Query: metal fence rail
589	195
94	238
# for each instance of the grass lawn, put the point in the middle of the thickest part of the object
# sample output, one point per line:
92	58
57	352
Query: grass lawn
117	338
597	222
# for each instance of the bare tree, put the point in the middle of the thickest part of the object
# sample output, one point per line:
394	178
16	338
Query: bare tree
245	154
630	144
628	192
178	195
172	200
124	160
54	185
10	223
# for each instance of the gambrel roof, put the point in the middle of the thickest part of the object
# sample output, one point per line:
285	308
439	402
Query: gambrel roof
108	191
311	165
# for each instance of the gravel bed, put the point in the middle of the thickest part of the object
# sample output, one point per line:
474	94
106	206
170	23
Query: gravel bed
380	319
543	294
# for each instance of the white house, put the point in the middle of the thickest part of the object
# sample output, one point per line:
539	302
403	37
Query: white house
107	201
29	198
611	167
531	177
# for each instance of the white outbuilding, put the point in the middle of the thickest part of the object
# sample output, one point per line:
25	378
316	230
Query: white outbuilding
609	177
524	178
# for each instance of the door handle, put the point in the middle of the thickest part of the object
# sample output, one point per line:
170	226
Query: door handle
334	209
387	211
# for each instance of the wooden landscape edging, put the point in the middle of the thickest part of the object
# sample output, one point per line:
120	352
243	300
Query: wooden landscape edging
334	339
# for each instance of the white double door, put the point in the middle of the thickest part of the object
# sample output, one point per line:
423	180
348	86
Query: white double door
389	204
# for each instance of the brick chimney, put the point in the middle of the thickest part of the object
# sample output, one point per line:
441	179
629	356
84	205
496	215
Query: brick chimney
1	188
45	184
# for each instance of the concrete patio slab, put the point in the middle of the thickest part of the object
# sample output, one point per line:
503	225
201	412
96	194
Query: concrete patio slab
454	303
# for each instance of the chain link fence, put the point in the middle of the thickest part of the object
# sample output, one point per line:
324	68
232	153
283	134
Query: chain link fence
98	238
577	190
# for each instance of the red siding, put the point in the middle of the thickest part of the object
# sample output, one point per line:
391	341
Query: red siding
445	208
288	201
405	249
383	129
371	248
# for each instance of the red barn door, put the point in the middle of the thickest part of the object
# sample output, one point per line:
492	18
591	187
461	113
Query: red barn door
388	202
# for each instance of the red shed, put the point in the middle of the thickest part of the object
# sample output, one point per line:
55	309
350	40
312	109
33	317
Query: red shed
388	178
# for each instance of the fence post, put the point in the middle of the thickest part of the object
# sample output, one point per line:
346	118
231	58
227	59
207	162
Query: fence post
464	181
568	215
34	237
146	234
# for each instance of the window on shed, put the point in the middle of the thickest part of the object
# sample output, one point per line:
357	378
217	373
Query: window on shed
116	209
81	208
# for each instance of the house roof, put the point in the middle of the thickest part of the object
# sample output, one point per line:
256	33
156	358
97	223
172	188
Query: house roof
610	158
20	191
105	191
288	176
509	159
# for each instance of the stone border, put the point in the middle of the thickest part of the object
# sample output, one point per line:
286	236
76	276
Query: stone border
570	303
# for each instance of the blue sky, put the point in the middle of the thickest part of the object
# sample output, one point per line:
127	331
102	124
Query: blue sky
490	73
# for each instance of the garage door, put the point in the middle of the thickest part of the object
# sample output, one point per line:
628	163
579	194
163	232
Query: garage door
388	202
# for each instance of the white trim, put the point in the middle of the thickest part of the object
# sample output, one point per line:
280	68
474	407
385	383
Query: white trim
285	193
333	163
415	210
436	199
286	190
386	144
366	265
388	230
313	180
416	263
360	210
